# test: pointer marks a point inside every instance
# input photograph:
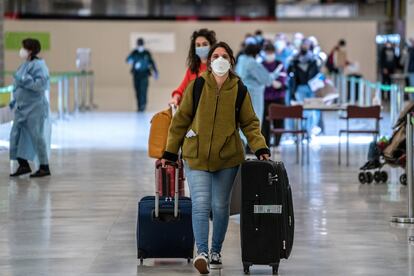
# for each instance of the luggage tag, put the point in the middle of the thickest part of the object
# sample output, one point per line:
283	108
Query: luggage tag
190	134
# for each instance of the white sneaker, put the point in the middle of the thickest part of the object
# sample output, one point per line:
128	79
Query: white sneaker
201	263
215	261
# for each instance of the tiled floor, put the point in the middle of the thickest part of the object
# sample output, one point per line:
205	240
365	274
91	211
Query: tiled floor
81	221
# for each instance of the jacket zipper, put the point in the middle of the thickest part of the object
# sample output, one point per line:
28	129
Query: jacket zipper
285	203
214	122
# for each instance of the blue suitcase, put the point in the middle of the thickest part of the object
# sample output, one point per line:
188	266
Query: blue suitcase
164	228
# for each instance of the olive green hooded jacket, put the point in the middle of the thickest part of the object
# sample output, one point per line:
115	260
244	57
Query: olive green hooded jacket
210	139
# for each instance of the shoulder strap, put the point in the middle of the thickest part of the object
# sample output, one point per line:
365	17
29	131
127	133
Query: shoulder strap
241	94
197	90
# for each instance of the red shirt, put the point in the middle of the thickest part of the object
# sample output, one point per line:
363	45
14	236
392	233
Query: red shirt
189	76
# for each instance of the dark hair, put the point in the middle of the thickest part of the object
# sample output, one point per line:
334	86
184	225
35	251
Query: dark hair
342	42
229	51
268	47
193	61
252	50
258	32
32	45
140	41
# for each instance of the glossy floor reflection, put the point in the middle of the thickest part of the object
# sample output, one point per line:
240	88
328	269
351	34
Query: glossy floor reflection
81	221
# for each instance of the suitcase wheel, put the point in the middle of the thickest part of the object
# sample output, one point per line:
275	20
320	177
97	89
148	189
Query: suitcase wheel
369	177
188	260
246	269
275	270
362	178
141	261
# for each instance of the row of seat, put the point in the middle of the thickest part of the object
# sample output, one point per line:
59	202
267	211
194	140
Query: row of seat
282	112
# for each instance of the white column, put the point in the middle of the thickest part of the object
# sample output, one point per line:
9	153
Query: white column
410	19
1	43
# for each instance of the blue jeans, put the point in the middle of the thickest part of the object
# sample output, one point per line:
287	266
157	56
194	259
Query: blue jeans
313	117
210	191
141	88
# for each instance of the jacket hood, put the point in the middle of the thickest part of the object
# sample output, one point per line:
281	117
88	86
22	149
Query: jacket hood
229	84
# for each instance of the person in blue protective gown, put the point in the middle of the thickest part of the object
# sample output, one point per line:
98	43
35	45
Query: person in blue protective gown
256	77
31	112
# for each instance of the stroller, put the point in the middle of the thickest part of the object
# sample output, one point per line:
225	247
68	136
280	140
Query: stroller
390	152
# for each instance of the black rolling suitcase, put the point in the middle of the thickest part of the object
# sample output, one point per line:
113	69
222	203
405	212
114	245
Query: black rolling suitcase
266	219
164	228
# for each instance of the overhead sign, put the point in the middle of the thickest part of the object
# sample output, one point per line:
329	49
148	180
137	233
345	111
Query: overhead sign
155	42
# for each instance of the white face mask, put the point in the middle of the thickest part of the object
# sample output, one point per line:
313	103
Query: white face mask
220	66
280	45
297	43
23	53
270	58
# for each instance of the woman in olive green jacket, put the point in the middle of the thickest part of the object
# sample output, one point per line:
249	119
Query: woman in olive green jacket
212	149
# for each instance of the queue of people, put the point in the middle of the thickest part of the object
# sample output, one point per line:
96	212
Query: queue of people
289	67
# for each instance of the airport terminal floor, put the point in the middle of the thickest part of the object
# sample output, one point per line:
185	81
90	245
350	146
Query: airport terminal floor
82	219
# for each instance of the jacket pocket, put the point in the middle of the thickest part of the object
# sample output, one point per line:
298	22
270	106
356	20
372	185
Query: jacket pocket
231	147
190	147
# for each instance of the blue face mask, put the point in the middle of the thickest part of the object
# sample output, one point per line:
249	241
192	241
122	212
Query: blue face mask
202	52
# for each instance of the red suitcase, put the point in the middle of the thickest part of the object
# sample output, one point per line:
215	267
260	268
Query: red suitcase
167	188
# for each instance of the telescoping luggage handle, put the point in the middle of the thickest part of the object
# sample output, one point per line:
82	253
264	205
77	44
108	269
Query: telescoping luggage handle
173	109
157	193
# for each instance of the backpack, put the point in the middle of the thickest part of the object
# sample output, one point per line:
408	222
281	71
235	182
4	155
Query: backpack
160	122
198	89
330	64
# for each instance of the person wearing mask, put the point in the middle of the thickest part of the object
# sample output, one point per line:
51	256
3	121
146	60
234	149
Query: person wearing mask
28	136
201	42
212	150
284	52
241	57
258	35
273	94
142	67
317	51
302	69
388	62
338	58
297	41
256	77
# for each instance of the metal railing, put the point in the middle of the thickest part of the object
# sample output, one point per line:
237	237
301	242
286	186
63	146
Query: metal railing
83	82
370	93
409	172
82	92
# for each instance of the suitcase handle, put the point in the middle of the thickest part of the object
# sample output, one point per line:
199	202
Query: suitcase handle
169	163
157	193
